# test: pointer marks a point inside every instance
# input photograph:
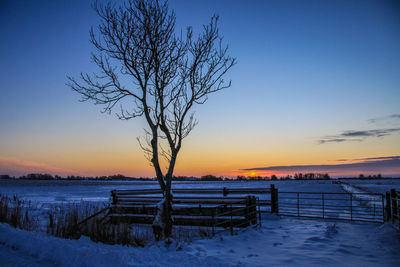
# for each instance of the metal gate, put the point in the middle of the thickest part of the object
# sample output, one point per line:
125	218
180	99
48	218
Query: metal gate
367	207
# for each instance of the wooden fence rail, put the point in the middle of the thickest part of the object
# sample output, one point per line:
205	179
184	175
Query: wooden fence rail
268	197
226	208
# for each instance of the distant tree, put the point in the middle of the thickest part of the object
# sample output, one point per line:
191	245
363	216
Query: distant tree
210	177
148	70
38	176
274	178
326	176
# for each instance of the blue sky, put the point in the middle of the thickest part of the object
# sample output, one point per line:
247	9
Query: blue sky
307	71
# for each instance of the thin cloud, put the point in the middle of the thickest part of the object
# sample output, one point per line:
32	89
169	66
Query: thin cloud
385	118
366	159
383	165
337	140
369	133
16	167
352	135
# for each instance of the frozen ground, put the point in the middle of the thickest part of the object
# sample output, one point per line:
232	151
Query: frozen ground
57	192
375	186
279	242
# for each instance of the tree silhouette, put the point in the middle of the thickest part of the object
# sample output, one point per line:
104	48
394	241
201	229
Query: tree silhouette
148	70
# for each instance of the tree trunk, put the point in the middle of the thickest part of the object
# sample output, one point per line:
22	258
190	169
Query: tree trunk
162	224
168	214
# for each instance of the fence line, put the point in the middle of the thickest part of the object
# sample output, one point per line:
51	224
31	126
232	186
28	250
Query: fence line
369	207
327	205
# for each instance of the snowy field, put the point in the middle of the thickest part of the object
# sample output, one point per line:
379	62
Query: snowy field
375	186
51	192
281	241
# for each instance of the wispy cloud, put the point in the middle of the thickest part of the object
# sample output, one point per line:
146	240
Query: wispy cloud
353	135
366	159
334	139
383	165
16	167
361	135
393	117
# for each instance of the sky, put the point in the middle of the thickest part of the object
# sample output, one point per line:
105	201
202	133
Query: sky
316	88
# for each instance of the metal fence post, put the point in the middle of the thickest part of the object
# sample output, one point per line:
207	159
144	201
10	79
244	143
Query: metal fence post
374	209
393	196
351	206
259	211
388	208
231	221
274	199
383	208
298	204
213	220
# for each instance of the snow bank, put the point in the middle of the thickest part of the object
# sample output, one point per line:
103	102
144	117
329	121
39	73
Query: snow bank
35	248
279	242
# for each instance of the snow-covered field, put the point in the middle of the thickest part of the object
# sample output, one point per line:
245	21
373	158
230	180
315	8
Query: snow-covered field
281	241
75	191
53	192
375	186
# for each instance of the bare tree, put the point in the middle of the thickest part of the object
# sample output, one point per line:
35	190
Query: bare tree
146	69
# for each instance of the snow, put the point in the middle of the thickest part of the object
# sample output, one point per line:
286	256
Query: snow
376	185
280	241
46	192
160	208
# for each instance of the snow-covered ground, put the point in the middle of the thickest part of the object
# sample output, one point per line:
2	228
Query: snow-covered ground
375	186
57	192
279	242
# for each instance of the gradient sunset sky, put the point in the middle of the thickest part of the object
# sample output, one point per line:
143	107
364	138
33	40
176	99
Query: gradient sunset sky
316	88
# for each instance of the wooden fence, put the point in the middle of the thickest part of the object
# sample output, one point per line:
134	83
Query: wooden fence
226	208
230	208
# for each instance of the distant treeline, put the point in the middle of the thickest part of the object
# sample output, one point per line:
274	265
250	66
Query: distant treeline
41	176
362	177
209	177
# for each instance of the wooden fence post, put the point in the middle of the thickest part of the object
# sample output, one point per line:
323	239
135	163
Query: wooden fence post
251	210
388	210
225	191
114	197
